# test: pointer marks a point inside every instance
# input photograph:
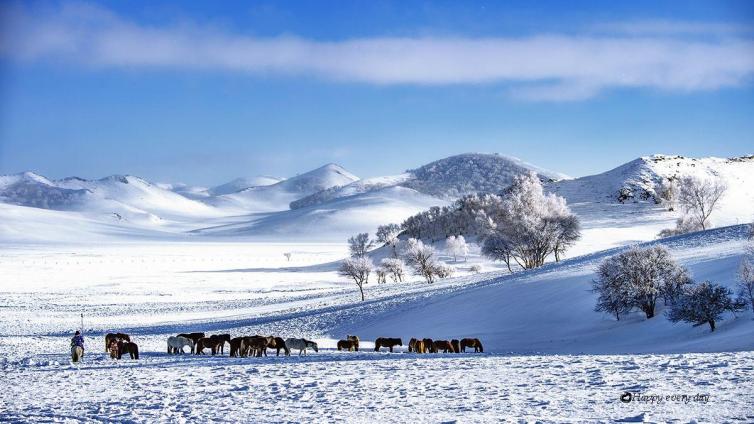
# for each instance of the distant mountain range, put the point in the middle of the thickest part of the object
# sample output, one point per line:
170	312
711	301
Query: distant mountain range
330	201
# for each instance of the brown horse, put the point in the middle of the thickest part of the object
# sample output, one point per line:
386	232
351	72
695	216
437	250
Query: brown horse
475	343
235	346
348	345
131	348
456	345
194	337
258	345
215	343
118	337
277	343
427	345
442	345
412	344
387	342
419	346
354	339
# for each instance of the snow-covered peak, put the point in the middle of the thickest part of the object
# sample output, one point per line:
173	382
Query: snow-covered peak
322	178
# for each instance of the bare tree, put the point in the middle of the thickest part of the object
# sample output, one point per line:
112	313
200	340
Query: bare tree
287	256
359	245
497	247
698	197
358	270
704	304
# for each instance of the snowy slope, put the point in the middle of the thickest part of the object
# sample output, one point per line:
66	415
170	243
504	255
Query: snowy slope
550	310
335	220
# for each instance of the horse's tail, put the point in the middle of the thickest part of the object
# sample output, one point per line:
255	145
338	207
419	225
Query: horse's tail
481	349
135	351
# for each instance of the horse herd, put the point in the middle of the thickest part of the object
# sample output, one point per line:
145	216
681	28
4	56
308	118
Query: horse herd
119	344
430	346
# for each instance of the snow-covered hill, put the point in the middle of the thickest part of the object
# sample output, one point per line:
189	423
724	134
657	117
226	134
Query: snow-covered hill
638	180
243	183
278	196
117	197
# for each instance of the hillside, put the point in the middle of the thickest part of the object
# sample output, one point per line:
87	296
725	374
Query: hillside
550	310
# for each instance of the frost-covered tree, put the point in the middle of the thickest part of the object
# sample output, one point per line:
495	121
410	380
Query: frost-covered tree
667	193
388	235
532	223
639	277
698	198
358	270
746	278
703	303
393	267
421	258
476	269
457	246
359	245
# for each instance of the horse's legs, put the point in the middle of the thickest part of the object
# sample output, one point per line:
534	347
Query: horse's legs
391	349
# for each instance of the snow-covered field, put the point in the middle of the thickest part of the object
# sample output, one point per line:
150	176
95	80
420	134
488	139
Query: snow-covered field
548	357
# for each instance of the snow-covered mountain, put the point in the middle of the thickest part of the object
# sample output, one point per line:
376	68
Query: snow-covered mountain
330	203
447	178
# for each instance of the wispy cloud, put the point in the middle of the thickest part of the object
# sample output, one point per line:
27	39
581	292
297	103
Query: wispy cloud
547	67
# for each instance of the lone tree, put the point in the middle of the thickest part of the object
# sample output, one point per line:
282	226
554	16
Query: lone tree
358	270
698	198
359	245
457	246
668	193
388	235
704	303
637	278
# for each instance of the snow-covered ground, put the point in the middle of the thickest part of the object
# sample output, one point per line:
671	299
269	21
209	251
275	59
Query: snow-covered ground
547	357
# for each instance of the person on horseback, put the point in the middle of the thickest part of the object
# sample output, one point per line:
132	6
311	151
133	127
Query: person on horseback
77	340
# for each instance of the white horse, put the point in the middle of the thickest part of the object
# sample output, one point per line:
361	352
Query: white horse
177	343
301	345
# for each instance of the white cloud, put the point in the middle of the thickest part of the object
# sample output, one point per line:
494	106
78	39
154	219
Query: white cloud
543	67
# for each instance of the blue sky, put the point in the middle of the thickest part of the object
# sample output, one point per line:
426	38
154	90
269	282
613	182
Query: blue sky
204	92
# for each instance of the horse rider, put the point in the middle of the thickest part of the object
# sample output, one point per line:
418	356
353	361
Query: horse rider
77	340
